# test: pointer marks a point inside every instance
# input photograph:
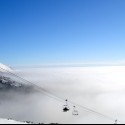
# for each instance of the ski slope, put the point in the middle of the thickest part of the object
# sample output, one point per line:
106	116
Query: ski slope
8	121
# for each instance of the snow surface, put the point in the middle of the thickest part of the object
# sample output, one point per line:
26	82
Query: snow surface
6	121
4	67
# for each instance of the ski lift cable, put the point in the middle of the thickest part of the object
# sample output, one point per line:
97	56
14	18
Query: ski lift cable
51	95
42	90
95	112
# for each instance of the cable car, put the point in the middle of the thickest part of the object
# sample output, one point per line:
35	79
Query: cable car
75	112
66	107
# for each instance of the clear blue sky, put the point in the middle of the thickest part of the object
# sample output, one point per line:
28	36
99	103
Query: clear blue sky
61	31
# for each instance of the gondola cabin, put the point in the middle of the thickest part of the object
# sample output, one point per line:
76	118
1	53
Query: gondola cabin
66	107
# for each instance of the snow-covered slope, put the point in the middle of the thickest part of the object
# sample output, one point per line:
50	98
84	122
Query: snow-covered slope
10	82
4	67
8	121
6	84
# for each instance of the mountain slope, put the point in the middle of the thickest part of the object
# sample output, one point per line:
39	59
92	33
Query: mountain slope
8	121
9	82
4	67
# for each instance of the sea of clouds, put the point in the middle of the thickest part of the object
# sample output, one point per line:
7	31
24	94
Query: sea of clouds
99	88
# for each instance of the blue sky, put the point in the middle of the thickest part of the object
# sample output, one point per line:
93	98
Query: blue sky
61	31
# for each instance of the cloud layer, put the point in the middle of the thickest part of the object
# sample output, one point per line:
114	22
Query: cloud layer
99	88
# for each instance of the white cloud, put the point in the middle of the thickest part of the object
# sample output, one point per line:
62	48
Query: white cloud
99	88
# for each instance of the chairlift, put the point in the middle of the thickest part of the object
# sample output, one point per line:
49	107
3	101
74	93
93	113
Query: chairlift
75	112
66	107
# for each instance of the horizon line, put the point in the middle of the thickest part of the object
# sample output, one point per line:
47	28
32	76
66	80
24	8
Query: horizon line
69	65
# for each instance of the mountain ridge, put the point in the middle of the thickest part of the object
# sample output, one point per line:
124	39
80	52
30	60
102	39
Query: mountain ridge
5	67
11	83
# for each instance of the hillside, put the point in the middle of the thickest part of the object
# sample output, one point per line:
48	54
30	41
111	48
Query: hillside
10	121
